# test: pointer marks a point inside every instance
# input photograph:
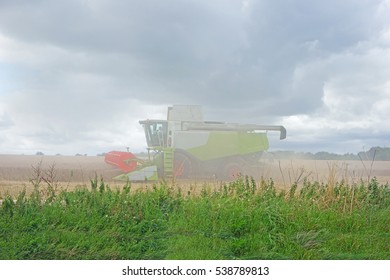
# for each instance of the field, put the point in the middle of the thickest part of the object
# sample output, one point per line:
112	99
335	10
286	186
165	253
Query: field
16	171
308	210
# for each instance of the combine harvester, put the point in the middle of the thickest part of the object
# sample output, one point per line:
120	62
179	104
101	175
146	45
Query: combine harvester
186	146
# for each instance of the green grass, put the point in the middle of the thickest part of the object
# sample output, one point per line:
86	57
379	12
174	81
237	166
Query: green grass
239	220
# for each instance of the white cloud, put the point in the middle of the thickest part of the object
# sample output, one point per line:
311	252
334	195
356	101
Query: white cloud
355	98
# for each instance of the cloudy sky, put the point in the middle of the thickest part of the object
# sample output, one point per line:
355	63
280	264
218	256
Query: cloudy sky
77	75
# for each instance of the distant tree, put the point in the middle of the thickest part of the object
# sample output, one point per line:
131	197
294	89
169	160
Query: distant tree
40	154
375	153
349	156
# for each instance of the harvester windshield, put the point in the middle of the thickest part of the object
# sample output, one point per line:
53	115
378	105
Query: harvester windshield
155	132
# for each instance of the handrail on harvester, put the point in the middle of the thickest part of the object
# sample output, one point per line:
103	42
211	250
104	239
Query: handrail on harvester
234	127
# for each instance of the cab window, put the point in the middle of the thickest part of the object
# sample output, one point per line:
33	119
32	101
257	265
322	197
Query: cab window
156	134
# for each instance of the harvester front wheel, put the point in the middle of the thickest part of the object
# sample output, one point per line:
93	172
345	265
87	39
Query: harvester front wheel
181	166
232	170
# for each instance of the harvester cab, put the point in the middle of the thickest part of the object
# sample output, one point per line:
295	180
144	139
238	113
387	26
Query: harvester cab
155	133
186	146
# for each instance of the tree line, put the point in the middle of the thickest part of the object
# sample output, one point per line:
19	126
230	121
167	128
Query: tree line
374	153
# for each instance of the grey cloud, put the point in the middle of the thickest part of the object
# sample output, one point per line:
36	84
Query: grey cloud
95	61
206	51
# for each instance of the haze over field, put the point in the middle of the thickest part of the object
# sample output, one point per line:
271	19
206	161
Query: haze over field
76	76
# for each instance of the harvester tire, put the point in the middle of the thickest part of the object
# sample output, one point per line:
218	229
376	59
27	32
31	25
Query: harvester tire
182	168
232	171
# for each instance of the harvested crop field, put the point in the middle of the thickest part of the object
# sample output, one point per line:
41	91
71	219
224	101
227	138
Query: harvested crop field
16	171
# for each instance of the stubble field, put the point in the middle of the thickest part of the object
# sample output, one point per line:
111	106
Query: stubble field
17	171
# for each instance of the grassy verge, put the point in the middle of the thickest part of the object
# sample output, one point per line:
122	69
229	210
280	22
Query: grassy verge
239	220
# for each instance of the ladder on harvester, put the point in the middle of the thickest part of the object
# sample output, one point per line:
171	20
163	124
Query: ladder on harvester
168	162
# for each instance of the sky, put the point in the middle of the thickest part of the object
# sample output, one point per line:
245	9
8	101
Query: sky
76	76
